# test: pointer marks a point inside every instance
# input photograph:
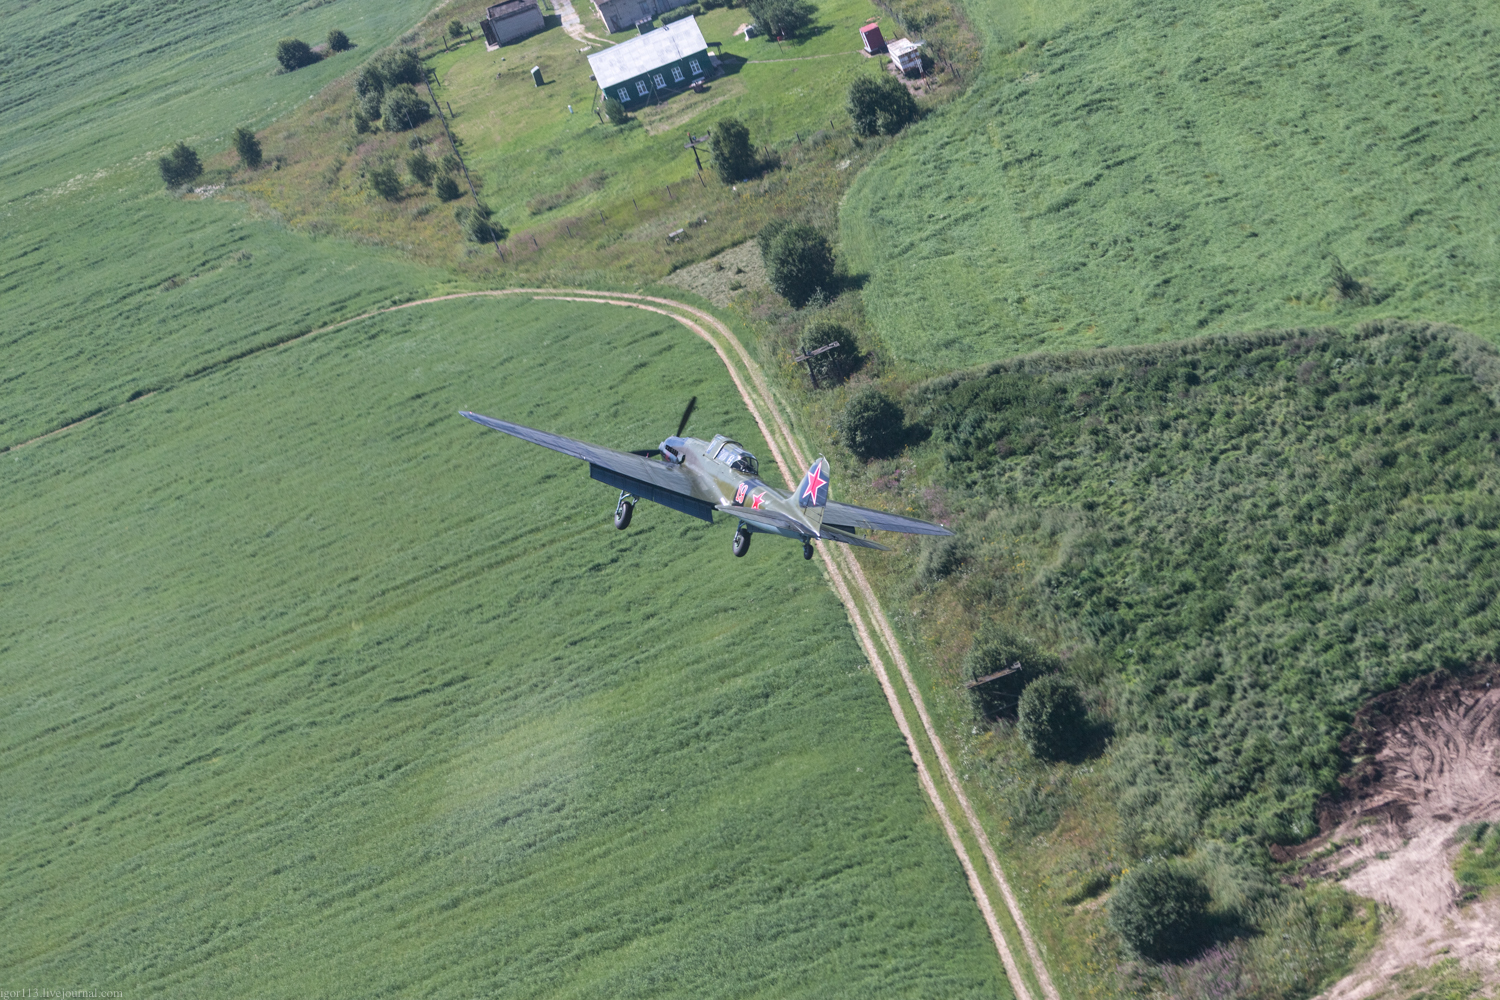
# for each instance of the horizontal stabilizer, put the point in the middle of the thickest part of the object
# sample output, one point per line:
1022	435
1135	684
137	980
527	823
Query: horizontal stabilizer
833	534
847	515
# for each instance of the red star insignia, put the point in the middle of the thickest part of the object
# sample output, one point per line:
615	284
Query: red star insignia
757	500
815	482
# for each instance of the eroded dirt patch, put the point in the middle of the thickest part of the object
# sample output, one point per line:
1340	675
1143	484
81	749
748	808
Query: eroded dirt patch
1427	762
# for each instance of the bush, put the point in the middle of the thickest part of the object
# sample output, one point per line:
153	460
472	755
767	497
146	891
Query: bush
799	264
455	28
361	122
293	53
766	238
399	66
1052	719
404	108
781	17
831	365
1158	910
247	146
734	157
615	112
421	168
338	41
180	166
452	164
995	649
880	105
384	182
477	224
873	425
446	188
369	91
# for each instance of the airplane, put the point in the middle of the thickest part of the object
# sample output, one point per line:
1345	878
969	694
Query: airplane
698	477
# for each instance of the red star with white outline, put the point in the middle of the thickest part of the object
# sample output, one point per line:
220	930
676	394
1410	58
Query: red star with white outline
815	482
757	500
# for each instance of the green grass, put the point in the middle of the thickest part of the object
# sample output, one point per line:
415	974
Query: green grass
1130	173
87	90
312	687
1477	866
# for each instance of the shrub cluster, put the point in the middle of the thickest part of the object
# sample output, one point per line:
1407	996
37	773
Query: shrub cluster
248	146
403	108
180	166
1261	531
293	54
477	224
1052	719
391	76
873	425
833	365
798	259
338	41
615	111
733	157
691	10
996	648
385	182
1159	911
880	105
781	18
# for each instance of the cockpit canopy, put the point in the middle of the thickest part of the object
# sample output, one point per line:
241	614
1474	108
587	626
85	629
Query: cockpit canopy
733	454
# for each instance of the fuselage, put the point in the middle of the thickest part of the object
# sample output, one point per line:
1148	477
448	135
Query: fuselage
728	475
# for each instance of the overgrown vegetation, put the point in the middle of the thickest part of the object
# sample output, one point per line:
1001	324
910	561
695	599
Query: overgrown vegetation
880	105
1478	864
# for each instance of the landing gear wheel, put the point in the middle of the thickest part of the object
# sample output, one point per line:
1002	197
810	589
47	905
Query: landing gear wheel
623	510
807	550
741	543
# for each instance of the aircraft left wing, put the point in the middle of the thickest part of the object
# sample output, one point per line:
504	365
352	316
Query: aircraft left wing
656	481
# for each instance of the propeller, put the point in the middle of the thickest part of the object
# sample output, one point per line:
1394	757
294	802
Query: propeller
681	426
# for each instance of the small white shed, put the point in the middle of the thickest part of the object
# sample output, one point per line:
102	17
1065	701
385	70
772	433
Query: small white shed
907	55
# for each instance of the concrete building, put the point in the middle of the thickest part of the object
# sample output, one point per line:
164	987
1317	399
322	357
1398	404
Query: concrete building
622	15
510	21
655	65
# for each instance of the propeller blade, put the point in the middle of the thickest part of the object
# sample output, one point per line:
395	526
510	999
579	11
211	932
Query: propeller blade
682	424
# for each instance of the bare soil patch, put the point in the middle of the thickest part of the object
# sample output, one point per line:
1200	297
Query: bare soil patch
1426	762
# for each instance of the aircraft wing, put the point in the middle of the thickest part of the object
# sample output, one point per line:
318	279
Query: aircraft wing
847	515
656	481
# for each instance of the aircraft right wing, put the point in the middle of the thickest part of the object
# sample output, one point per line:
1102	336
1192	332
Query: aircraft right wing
847	515
656	481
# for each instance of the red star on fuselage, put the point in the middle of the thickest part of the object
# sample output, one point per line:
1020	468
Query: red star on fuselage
757	500
815	482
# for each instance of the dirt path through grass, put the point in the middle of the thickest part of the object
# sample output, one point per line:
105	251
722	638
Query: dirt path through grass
859	601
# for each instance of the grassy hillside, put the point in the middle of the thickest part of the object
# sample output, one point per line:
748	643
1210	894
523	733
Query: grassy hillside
311	686
1130	173
84	89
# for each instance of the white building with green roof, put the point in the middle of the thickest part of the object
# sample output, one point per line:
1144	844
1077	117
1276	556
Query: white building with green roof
653	66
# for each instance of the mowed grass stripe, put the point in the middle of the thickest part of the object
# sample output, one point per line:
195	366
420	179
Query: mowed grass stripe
263	753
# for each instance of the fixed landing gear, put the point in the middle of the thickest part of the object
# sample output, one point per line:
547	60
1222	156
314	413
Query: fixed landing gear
623	510
741	543
807	549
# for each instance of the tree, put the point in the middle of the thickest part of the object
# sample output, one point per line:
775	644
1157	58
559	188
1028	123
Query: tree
477	224
1052	719
361	123
800	264
1158	910
997	648
880	105
833	364
734	157
338	41
420	168
293	53
404	108
181	165
399	66
384	182
781	18
873	425
247	146
455	28
446	188
369	91
615	111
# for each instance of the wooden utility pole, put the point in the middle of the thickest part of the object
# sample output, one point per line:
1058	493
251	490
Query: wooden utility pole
812	372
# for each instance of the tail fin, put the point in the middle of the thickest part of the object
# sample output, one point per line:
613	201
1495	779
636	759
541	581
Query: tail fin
812	492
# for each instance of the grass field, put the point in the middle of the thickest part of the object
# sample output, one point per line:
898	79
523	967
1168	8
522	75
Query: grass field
1129	173
311	686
